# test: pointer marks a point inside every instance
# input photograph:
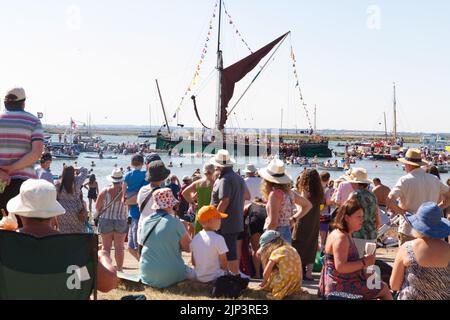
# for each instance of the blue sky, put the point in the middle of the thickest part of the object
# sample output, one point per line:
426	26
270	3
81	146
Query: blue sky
101	57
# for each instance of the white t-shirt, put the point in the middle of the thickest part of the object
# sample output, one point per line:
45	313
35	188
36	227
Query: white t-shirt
206	248
148	211
254	187
413	190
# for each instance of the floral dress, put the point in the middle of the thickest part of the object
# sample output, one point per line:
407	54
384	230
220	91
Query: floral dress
69	222
286	277
355	283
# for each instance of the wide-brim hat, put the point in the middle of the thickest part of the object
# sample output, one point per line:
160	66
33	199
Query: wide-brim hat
15	94
413	157
359	175
222	159
36	199
164	199
429	221
157	171
275	172
116	176
250	168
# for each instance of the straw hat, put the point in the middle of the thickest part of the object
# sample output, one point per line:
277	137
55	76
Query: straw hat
37	199
275	173
250	168
222	159
429	222
116	176
413	157
359	175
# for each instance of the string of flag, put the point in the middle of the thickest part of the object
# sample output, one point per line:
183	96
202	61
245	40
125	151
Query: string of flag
231	22
198	68
297	85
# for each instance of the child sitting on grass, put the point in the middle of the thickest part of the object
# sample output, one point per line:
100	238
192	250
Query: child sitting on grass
208	248
282	266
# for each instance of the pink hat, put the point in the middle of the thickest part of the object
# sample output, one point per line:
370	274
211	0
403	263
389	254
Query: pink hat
164	199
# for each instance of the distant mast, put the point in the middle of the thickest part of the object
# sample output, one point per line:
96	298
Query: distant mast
315	118
385	127
220	73
395	114
162	105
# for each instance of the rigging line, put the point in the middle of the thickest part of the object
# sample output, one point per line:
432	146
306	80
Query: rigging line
258	74
205	83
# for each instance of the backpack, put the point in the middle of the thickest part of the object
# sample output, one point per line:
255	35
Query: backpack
229	286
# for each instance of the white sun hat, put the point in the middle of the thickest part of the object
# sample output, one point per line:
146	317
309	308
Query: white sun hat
116	176
37	199
275	172
222	159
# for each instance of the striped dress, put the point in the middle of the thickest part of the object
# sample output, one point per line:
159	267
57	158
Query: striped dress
424	283
18	130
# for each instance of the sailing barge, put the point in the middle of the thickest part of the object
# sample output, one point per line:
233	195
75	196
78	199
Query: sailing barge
238	145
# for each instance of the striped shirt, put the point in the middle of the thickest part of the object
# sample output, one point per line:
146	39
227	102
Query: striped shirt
18	130
117	211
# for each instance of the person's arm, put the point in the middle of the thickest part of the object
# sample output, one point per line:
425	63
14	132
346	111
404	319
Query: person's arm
223	205
341	247
267	272
185	242
303	204
124	191
273	211
398	271
392	204
189	192
445	203
106	273
100	201
377	218
223	262
27	160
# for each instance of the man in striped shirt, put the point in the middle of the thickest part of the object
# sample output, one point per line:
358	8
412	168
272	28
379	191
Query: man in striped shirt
21	144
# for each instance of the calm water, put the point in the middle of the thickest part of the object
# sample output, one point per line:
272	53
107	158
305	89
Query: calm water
388	172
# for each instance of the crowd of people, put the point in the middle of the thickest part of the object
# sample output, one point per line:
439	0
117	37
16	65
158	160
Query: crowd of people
265	225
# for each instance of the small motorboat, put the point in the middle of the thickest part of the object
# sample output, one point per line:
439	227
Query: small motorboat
61	156
324	168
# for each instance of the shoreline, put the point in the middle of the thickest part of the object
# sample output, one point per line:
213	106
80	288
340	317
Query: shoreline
331	137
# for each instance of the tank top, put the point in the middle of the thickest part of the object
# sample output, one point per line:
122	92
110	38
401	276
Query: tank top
204	196
117	211
286	211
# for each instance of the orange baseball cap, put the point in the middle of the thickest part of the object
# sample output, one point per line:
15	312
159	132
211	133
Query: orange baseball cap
210	212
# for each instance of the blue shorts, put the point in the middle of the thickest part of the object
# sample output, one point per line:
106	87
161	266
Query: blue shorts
106	226
286	233
132	234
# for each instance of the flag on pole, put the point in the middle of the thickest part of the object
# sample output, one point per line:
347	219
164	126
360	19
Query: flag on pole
73	124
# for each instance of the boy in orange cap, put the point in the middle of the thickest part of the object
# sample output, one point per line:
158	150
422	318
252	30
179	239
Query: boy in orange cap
209	248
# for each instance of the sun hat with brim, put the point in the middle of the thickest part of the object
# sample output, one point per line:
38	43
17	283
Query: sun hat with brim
157	171
275	172
268	237
164	199
429	221
36	199
359	175
250	168
222	159
210	212
413	157
116	176
15	94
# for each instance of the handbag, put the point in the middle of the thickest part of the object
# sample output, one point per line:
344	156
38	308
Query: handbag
229	286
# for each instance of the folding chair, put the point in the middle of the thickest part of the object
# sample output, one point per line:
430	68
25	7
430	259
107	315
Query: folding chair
58	267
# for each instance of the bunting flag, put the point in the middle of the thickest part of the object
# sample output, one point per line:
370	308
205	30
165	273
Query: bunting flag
297	85
198	68
73	124
231	22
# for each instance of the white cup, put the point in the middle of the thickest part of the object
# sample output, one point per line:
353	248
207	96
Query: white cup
371	248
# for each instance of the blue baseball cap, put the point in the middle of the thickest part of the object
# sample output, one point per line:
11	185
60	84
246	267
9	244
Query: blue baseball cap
268	237
429	221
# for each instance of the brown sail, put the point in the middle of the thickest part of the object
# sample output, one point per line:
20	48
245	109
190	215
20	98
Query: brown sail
236	72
